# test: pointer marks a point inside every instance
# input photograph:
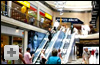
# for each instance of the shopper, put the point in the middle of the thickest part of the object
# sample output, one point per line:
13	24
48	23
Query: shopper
21	59
59	54
28	57
86	55
3	61
50	35
42	57
91	60
31	20
96	53
54	59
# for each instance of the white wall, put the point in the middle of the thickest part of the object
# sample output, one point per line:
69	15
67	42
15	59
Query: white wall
11	31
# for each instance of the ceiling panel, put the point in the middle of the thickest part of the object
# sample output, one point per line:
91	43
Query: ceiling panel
74	5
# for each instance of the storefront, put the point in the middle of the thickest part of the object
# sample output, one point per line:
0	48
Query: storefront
4	41
11	36
42	18
32	12
4	8
48	20
20	10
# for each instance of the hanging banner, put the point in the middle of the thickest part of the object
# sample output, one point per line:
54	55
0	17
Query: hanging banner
48	16
25	3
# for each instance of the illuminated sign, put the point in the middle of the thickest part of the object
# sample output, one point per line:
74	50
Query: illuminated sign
48	16
25	3
72	20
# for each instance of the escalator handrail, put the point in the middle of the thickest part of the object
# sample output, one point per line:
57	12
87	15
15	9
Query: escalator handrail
39	50
69	48
66	34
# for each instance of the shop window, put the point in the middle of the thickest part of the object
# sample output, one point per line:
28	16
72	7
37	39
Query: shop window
16	12
17	41
4	41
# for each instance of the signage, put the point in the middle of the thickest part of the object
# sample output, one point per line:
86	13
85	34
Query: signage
48	16
33	8
72	20
25	3
41	13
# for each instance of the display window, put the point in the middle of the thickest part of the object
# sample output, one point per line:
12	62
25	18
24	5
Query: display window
4	40
17	41
32	12
48	20
4	10
42	18
16	12
20	11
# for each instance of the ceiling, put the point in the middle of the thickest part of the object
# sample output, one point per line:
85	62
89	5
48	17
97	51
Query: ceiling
73	5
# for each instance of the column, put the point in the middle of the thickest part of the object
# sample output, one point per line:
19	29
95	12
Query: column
54	20
9	8
10	40
38	15
25	40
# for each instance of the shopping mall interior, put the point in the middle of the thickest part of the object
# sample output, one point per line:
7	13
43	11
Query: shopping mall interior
73	26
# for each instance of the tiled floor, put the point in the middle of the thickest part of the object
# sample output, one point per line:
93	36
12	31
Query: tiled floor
78	61
92	60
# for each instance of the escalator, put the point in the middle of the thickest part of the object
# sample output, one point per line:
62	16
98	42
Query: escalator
44	45
56	42
41	46
68	45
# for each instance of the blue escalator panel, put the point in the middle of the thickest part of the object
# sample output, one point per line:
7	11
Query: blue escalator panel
58	42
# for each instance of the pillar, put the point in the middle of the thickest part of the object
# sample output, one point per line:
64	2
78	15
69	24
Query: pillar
25	40
10	40
9	8
54	19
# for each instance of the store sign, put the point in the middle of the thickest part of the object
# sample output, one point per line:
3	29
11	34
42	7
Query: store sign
72	20
48	16
32	8
25	3
41	13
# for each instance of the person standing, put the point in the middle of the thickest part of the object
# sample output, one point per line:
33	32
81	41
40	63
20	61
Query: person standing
54	59
21	59
96	53
50	35
28	57
92	57
59	54
86	55
42	57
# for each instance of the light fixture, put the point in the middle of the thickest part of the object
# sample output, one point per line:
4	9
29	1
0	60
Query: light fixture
17	29
60	9
60	6
61	13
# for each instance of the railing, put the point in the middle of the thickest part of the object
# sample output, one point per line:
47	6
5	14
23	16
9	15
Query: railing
22	17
